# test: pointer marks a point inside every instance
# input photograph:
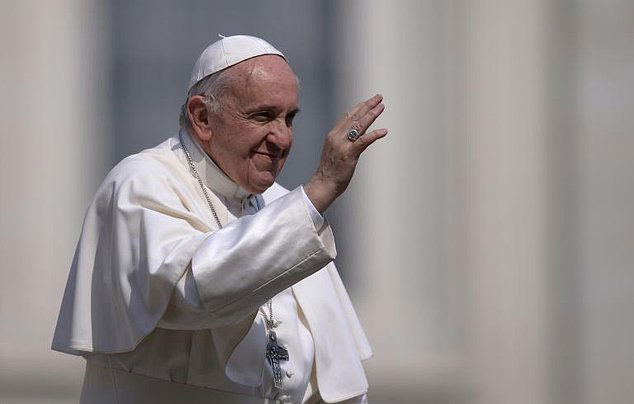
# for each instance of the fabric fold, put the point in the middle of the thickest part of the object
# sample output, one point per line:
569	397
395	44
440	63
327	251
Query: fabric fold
152	265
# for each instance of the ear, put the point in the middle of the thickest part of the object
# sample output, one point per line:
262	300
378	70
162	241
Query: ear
199	118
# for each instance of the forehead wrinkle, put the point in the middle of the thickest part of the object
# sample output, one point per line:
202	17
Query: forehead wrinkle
243	76
246	73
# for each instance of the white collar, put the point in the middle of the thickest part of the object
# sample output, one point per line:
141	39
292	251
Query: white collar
210	174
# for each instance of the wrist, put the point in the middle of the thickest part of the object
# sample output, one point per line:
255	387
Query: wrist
321	192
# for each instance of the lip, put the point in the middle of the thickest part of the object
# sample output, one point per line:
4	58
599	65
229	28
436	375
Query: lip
271	156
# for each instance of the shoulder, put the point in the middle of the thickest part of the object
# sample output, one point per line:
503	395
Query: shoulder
153	163
148	171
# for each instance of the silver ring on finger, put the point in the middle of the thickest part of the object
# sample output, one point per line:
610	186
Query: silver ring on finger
353	134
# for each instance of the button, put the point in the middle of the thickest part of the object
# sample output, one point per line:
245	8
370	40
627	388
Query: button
289	373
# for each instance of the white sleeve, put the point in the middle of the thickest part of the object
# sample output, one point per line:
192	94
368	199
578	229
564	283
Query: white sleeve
239	267
147	259
362	399
317	218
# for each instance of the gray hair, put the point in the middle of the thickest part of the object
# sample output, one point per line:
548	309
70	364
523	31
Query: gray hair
212	87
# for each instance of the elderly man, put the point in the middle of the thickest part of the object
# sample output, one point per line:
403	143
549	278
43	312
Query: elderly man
198	279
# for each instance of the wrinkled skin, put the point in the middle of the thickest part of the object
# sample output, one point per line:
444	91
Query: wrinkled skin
251	135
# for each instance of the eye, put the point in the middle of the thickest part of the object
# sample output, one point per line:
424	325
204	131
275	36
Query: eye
262	116
290	117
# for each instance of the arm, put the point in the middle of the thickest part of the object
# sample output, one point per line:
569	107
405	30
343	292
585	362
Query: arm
141	238
193	304
238	268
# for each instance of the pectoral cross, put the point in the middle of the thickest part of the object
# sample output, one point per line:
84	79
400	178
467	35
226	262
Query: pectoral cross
275	353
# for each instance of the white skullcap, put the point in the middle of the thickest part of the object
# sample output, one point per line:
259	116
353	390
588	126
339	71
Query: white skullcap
229	51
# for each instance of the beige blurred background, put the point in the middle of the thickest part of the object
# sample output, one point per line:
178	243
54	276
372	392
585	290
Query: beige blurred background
487	243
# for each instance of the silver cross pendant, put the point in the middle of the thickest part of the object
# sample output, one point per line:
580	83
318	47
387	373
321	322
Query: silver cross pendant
274	354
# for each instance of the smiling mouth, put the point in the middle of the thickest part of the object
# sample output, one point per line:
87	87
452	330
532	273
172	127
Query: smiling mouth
272	156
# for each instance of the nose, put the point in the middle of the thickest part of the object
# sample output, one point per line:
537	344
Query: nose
280	136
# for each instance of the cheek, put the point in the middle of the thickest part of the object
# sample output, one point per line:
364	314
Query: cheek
280	165
264	164
238	153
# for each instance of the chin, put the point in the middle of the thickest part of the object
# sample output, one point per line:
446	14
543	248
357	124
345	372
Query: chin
260	186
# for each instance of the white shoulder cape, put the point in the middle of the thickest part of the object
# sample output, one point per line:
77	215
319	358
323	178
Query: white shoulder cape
149	221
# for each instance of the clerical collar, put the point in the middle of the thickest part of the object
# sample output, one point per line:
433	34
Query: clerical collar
210	174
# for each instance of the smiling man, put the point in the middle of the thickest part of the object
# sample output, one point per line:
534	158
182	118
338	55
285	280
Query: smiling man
197	278
253	124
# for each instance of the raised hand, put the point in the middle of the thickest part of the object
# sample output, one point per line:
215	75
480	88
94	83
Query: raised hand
341	152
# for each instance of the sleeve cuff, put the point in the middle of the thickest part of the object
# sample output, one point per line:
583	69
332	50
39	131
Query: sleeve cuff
317	218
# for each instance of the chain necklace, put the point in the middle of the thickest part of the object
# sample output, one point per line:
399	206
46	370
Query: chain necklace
200	182
274	352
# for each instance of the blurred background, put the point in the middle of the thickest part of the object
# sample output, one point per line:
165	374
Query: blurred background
487	242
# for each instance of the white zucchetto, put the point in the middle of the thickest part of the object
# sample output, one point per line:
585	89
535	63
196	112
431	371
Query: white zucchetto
227	52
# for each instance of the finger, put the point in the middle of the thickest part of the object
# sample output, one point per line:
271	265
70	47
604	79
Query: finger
363	107
366	140
369	117
360	110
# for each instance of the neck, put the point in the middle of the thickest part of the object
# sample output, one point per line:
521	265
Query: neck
210	172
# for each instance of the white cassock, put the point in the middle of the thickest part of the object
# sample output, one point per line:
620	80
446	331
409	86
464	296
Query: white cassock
164	305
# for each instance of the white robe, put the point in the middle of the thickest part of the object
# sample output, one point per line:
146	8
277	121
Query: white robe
149	230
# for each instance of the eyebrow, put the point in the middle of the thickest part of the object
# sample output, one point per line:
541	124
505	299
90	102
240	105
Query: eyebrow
268	108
